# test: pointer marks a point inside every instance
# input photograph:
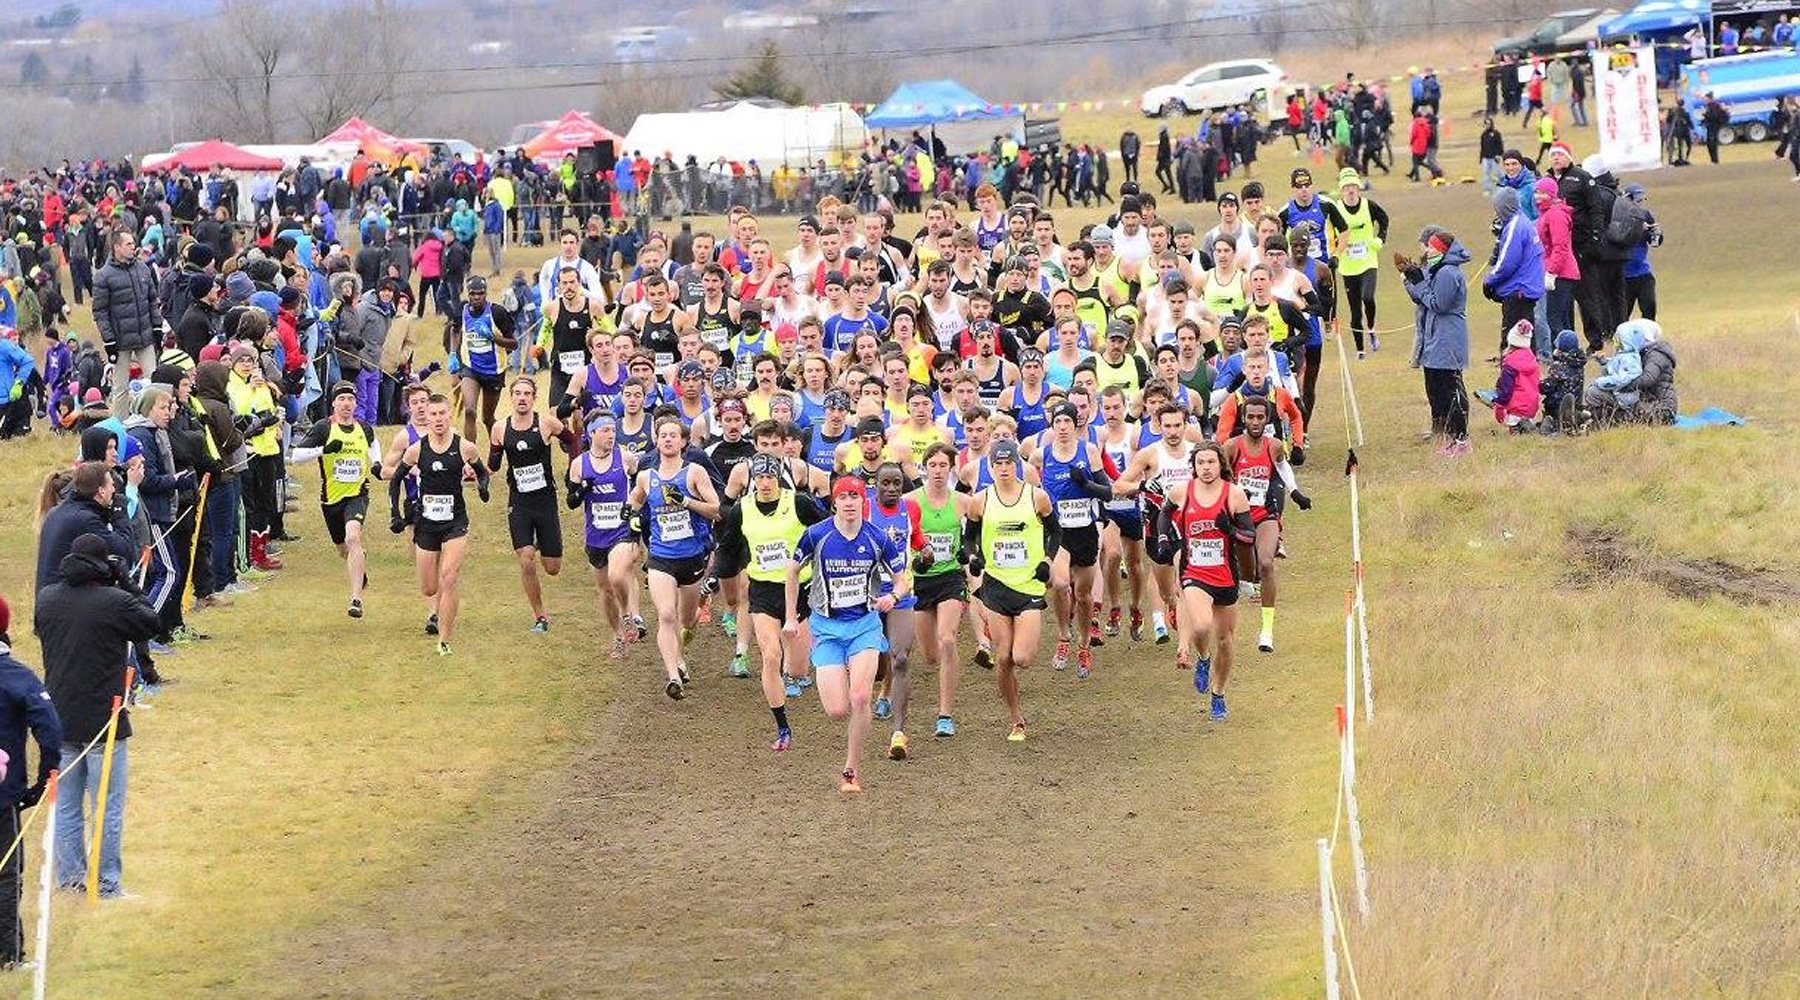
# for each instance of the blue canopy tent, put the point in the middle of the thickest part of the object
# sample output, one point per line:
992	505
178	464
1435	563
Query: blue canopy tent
1660	23
954	114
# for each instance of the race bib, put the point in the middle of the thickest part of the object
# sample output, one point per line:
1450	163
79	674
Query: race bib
1206	551
570	362
606	516
475	343
943	545
1009	553
717	336
771	555
1077	513
1357	250
1256	488
347	470
437	506
848	591
529	478
665	358
674	525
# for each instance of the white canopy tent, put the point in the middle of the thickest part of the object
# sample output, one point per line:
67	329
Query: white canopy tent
745	131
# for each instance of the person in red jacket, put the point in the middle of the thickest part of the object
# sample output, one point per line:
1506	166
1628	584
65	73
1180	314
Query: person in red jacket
287	331
1420	141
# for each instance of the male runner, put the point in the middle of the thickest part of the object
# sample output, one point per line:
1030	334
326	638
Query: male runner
1210	514
523	438
1074	476
347	452
678	503
939	580
441	531
1259	466
571	320
479	343
1122	540
1168	460
599	482
1012	532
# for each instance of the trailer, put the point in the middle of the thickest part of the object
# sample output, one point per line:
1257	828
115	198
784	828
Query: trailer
1750	86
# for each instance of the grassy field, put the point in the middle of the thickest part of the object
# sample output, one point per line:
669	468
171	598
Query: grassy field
1580	782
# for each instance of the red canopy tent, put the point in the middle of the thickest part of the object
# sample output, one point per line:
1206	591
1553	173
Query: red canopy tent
372	140
567	134
215	153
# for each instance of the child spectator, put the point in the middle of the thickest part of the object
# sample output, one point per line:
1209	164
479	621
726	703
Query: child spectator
1563	384
1516	395
1623	369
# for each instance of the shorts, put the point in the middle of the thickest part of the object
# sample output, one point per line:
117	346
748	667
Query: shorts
486	383
1222	597
1082	545
534	523
932	591
727	565
1005	601
340	514
836	640
431	535
686	572
1130	524
767	597
598	557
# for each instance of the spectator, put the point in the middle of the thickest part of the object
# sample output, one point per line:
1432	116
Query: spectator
1440	293
200	324
224	497
24	705
1640	280
126	313
1515	278
1516	394
87	623
1649	397
82	503
1562	386
16	368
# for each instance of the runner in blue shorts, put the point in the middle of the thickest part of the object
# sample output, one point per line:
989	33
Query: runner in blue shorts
859	573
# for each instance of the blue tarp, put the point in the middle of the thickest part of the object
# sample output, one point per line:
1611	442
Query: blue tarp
1653	16
932	102
1712	416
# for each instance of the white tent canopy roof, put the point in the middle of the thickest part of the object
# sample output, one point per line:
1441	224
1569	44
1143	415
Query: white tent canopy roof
745	131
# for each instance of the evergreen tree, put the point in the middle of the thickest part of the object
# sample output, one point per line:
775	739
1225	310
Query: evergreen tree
33	71
133	92
763	77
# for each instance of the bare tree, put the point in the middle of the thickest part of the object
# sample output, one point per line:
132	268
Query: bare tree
241	62
361	59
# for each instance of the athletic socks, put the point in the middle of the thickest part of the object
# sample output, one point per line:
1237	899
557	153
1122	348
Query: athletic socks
1268	619
780	713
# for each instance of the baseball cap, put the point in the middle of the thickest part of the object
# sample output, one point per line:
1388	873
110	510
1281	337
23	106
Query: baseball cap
1004	450
848	484
1231	321
833	278
837	399
765	465
1230	196
1119	329
871	425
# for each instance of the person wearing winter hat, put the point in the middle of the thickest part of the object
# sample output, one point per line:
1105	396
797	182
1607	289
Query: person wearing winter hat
1439	292
1361	228
1515	274
201	322
25	708
1516	395
1562	272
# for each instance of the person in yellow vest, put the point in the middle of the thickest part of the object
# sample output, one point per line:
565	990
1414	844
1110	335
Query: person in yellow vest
1012	535
253	410
1361	227
348	456
501	189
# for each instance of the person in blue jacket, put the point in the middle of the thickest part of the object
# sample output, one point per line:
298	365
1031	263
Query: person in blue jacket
1515	276
25	707
16	367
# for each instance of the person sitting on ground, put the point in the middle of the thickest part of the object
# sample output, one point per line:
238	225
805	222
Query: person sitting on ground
1621	371
1516	394
1651	391
1563	382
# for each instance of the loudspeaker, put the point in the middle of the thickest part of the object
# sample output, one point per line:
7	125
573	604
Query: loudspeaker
599	156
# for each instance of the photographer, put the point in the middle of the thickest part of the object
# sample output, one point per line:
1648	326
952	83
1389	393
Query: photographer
1640	281
86	624
24	705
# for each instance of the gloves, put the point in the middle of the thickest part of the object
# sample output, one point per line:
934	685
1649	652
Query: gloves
481	489
578	491
1155	492
977	564
453	364
1300	499
32	795
333	445
18	390
1297	456
1236	526
634	519
1488	292
923	560
1042	573
185	481
396	524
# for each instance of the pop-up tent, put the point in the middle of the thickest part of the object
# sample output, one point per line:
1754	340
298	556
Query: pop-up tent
962	120
373	141
1654	18
567	134
745	131
212	153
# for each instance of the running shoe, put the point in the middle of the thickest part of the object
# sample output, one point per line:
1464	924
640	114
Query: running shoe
178	638
1158	626
1094	637
784	738
618	647
740	666
805	682
791	686
673	689
883	708
637	623
238	588
706	611
1061	660
984	657
1374	341
160	648
255	575
1360	355
541	626
849	786
1112	624
681	670
1018	733
1461	446
1097	610
443	649
1218	708
1084	663
355	608
946	727
191	633
431	625
729	623
1266	642
1137	625
897	746
1203	675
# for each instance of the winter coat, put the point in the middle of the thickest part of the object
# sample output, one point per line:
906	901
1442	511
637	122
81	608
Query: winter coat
1555	238
1518	268
197	328
125	306
428	257
1517	392
16	367
212	380
157	491
373	320
85	623
1656	384
1420	137
73	517
1440	295
398	345
25	707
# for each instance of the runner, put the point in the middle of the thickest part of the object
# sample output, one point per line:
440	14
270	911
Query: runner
441	529
678	504
892	515
768	524
595	385
344	486
1168	460
570	325
479	343
1074	476
939	580
1210	514
1012	542
1122	539
849	559
656	322
1260	468
600	484
1361	227
731	450
523	439
418	424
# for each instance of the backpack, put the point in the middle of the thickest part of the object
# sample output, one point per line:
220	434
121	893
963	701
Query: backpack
1627	223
